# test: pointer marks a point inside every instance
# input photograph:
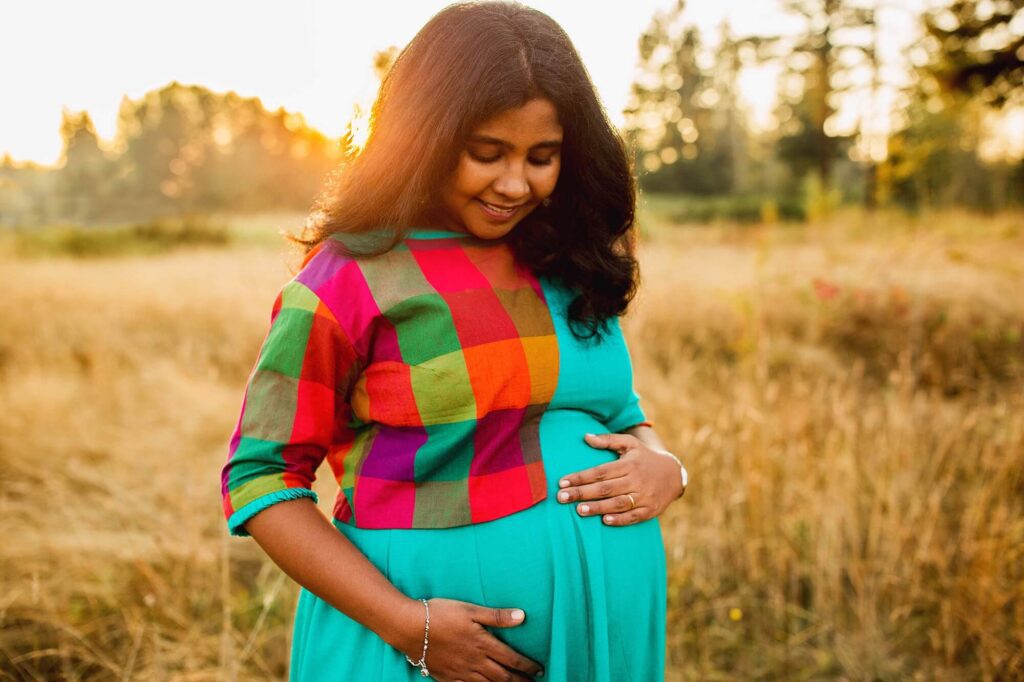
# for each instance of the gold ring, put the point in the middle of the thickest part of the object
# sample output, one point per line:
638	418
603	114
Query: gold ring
632	502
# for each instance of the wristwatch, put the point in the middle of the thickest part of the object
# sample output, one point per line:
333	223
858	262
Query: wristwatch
682	469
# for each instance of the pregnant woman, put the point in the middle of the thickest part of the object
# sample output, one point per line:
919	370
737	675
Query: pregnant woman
451	346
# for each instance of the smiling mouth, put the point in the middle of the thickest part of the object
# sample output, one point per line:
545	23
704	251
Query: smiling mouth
499	211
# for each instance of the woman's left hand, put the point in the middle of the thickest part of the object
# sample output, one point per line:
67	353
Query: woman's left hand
652	478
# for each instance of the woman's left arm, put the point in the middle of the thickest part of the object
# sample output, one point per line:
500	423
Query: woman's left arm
639	485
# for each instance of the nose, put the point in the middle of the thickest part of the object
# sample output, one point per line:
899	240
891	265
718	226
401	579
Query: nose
512	183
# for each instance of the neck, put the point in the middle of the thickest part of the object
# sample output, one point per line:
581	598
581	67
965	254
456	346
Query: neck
437	220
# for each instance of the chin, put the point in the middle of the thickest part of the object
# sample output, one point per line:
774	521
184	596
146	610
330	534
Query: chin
490	229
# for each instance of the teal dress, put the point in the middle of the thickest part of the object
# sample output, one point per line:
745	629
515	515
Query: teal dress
594	594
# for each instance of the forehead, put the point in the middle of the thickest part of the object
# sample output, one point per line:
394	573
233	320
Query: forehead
535	121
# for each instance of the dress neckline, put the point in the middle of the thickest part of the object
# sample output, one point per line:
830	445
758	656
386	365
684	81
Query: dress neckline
433	233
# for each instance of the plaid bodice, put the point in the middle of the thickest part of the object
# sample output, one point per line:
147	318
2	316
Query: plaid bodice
421	375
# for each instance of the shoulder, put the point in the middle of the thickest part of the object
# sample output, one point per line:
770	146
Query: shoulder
332	273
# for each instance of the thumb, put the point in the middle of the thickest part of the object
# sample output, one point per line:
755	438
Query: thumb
502	618
619	442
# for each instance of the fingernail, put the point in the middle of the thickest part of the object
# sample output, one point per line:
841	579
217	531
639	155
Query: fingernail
590	434
563	496
540	674
584	508
517	614
564	483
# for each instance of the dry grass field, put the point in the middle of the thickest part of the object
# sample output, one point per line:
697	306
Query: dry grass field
847	396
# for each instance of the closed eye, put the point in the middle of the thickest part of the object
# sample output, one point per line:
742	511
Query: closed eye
484	159
492	159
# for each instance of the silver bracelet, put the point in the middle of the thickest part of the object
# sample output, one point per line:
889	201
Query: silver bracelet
422	663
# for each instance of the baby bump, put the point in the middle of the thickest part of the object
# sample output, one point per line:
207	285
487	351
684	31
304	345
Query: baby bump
568	573
581	577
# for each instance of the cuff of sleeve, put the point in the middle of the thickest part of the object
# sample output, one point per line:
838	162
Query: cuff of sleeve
627	419
237	521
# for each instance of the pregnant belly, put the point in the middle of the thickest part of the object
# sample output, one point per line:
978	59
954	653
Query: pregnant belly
576	578
581	577
562	446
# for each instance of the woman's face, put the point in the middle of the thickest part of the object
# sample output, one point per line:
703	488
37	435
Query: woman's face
508	165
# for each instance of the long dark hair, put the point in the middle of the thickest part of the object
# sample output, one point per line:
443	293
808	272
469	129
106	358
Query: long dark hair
471	61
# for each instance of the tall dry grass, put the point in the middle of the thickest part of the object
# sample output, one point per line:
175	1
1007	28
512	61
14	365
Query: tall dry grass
847	398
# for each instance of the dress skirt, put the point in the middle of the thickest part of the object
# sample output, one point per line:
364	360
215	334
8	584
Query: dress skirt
594	594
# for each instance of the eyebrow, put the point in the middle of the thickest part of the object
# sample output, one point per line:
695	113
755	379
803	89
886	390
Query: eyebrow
486	139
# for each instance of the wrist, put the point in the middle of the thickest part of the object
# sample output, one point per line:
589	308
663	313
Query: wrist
404	631
684	476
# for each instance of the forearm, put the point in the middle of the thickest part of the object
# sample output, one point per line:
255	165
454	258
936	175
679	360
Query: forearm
300	540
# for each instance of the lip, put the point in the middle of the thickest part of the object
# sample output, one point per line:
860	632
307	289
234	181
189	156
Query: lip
502	216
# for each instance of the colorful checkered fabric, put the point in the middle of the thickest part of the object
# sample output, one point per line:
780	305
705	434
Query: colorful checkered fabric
420	375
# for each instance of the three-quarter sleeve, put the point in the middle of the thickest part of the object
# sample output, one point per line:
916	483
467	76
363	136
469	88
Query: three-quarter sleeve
294	409
629	413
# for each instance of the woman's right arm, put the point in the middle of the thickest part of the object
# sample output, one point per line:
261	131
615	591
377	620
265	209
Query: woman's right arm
317	556
293	412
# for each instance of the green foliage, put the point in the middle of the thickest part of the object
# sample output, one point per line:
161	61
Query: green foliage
683	121
178	149
933	161
978	51
689	134
818	200
745	209
155	236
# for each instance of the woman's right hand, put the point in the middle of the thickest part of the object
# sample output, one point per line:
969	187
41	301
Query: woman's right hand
459	647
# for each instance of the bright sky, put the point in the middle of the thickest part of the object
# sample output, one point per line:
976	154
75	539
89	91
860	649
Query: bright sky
310	56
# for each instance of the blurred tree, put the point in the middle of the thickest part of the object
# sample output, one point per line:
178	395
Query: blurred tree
185	148
179	149
821	63
981	48
14	200
84	168
683	120
933	161
972	68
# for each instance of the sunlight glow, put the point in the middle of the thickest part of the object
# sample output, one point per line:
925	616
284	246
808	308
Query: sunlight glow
317	61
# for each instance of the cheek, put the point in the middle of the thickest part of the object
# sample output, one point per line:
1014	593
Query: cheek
470	179
546	181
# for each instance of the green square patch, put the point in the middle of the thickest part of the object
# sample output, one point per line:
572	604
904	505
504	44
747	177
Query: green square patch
296	295
284	350
270	404
442	503
425	328
443	390
448	453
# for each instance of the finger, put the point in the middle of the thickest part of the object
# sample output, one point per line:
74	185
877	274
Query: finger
512	659
627	518
603	490
602	472
494	671
501	618
619	442
614	504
